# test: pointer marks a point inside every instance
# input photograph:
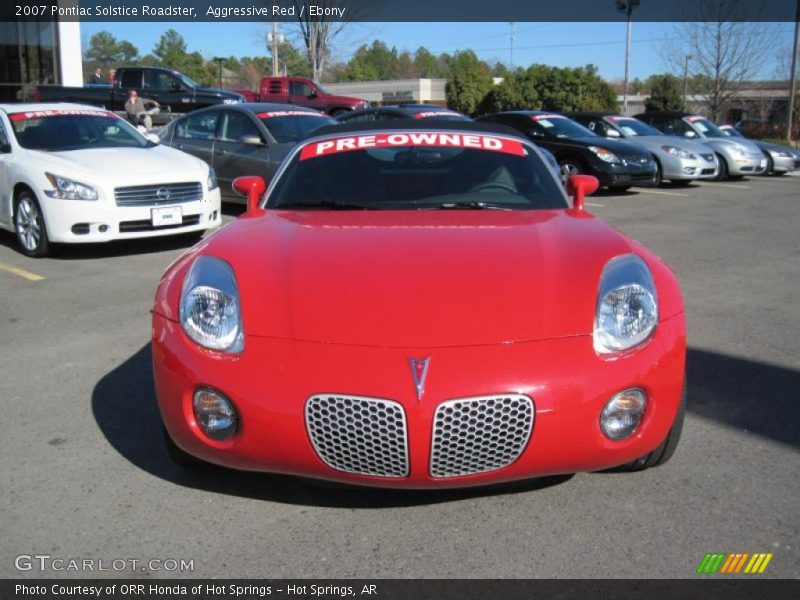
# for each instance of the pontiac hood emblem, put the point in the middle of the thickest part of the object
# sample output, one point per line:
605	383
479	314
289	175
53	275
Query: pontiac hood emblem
419	370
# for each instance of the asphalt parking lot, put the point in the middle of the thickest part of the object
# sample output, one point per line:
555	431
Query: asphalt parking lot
85	475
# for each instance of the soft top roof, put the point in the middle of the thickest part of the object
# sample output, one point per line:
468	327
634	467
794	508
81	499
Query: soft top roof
420	125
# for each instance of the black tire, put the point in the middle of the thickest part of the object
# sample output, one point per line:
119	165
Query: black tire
723	171
181	458
770	170
664	452
779	173
29	225
570	166
682	182
658	178
621	188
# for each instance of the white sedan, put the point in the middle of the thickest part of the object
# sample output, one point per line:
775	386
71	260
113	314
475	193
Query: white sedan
71	174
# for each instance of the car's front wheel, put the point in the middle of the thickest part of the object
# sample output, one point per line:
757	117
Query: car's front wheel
29	225
664	452
722	173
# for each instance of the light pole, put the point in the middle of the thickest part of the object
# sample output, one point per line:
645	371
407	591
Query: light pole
511	48
686	82
219	60
626	6
793	76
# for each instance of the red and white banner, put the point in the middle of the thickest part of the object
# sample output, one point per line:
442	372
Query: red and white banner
436	113
542	117
289	113
424	139
62	112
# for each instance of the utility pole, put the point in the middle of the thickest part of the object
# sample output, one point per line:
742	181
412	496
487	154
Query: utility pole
275	69
793	78
627	6
686	82
219	60
511	49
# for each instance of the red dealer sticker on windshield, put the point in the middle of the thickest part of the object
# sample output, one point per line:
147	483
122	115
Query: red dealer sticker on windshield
393	140
288	113
63	112
538	117
436	113
694	119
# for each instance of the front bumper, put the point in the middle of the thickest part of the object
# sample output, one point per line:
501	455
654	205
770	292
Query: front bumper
782	164
633	172
686	169
747	165
78	221
271	381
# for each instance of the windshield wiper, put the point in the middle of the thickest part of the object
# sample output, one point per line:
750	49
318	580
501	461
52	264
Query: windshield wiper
471	205
327	204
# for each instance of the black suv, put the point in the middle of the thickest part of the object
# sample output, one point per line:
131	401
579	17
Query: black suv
616	164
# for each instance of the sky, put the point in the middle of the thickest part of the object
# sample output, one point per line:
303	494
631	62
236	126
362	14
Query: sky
556	44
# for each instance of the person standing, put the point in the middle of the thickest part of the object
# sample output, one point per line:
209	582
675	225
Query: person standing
112	74
97	76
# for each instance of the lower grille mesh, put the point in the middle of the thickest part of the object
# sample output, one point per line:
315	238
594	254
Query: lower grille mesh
359	435
474	435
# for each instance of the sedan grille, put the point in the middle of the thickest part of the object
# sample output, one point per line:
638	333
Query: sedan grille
359	435
474	435
159	194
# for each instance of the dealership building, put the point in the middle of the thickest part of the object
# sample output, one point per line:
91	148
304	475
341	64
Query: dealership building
35	53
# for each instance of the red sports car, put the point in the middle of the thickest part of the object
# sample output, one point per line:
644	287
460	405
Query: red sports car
419	305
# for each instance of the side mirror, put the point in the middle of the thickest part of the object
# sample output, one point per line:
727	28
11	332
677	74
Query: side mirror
251	140
612	133
580	186
5	147
312	95
690	134
251	186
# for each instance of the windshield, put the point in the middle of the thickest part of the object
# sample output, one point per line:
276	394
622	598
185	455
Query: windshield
74	129
322	89
632	127
293	125
706	127
187	81
730	132
417	171
561	126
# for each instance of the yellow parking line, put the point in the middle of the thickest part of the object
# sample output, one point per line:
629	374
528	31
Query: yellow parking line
21	272
728	185
665	193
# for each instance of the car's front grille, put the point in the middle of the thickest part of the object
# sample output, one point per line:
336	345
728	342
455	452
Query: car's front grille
359	435
147	224
474	435
708	157
159	194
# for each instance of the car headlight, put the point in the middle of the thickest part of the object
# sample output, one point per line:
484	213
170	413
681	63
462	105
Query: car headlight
740	150
210	313
212	184
67	189
627	305
782	153
605	154
678	152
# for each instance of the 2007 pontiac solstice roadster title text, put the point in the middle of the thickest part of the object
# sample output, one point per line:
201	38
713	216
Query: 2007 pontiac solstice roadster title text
418	305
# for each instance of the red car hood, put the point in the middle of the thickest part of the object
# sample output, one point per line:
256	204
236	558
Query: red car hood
418	278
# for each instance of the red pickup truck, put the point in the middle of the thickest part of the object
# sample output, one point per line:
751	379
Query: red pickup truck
303	92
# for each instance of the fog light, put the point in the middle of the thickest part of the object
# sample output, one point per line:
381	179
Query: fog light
215	414
102	228
622	414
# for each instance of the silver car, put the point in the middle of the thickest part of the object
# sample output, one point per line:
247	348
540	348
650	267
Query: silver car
677	159
737	157
780	159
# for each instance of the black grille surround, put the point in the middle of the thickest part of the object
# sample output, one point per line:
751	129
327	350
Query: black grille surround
159	194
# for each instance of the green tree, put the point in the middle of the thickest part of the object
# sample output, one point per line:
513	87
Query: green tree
106	52
425	63
374	62
469	83
552	88
666	93
170	49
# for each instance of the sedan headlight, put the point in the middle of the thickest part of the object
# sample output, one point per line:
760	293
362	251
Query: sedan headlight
627	306
67	189
210	313
605	154
212	184
740	150
781	153
678	152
